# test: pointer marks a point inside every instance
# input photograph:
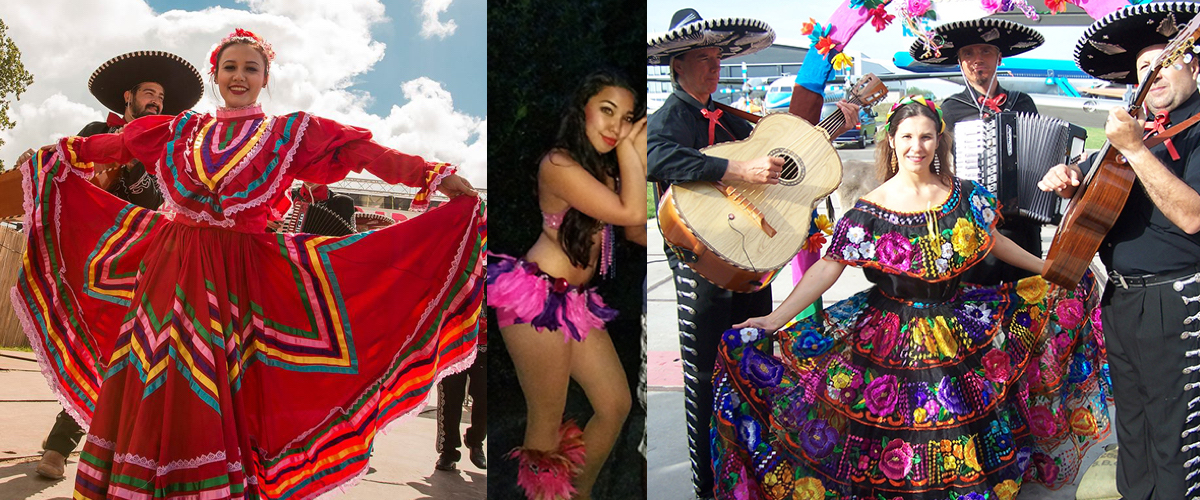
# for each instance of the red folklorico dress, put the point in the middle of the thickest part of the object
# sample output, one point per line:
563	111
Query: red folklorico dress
238	363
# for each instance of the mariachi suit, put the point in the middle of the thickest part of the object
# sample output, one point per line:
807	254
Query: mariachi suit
676	133
1025	232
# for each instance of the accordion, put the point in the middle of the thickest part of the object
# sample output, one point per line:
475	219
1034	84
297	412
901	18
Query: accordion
331	217
1008	153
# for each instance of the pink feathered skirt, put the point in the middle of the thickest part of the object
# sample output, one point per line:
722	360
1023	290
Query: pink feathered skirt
520	293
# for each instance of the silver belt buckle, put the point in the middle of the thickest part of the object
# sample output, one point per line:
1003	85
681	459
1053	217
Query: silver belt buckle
1121	279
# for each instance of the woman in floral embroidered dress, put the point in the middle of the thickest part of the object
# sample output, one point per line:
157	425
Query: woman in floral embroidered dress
920	387
236	363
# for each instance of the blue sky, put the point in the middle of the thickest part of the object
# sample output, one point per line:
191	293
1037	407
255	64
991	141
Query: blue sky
412	71
459	61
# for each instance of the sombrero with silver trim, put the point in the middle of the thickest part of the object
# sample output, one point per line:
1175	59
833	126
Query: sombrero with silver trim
1011	38
734	36
1109	47
180	81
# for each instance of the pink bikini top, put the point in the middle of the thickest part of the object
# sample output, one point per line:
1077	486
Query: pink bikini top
553	221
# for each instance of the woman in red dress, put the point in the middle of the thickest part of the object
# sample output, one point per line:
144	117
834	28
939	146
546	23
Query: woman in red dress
236	363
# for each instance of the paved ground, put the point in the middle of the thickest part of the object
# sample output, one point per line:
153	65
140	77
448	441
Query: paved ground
401	468
669	474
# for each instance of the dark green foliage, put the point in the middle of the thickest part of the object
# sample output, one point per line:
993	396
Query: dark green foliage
13	79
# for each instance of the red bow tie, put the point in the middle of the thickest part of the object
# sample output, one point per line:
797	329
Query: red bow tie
1159	125
714	117
115	120
993	103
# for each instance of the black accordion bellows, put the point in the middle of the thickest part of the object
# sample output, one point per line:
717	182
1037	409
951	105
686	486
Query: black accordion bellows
331	217
1009	152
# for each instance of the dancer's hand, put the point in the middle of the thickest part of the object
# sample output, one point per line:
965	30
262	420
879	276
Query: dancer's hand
763	322
454	185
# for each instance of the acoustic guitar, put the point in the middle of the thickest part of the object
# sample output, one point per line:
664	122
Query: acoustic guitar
739	235
1100	197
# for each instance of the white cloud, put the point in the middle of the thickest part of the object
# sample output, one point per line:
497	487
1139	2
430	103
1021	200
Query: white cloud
320	50
431	26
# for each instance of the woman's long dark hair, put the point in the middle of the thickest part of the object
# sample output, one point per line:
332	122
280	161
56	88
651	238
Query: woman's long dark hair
575	233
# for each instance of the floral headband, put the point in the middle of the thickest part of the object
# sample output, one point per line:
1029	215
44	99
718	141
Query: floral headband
919	99
240	36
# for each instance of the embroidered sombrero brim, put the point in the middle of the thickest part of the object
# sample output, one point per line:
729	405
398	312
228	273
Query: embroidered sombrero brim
180	81
1011	38
734	36
1109	47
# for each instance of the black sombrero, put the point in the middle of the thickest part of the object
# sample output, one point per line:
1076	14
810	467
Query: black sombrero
180	81
734	36
1011	38
1109	47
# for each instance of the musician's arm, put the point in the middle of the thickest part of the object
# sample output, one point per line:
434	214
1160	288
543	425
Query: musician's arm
1062	179
1177	200
670	157
850	116
1007	251
816	280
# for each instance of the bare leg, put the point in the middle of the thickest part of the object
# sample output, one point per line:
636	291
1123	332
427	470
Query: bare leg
594	364
543	363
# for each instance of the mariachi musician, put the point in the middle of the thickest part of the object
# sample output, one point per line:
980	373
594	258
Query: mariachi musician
1150	306
977	46
688	122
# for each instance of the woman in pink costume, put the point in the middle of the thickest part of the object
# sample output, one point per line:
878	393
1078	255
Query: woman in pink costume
552	322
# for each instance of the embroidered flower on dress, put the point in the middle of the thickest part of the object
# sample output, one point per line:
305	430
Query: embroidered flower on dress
818	438
1047	470
760	369
989	215
809	488
881	395
811	343
748	432
1032	289
997	366
950	396
1007	490
897	460
947	250
969	456
895	251
856	234
1083	423
964	238
867	250
1070	313
850	252
978	312
1042	422
748	335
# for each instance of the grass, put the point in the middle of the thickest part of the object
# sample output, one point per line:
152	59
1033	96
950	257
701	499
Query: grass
650	208
1095	138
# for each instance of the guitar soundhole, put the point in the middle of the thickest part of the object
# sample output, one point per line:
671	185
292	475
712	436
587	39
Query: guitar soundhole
793	167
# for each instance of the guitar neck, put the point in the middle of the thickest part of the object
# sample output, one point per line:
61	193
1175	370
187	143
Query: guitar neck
835	120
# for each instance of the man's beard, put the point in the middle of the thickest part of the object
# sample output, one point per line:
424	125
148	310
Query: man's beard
140	111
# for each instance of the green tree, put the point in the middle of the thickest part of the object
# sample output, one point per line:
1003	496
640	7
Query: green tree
14	79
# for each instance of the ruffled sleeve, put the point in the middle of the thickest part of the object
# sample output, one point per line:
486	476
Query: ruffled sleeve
331	150
144	138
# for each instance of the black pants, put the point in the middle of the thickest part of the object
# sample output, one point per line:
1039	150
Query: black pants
705	312
1027	234
1147	358
65	434
451	393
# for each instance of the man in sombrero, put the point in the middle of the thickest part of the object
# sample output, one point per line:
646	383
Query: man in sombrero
1151	305
686	123
132	85
977	47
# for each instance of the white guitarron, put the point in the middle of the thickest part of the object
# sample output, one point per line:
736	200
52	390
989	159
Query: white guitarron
739	235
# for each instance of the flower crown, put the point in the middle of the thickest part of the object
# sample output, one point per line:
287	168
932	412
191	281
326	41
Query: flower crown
919	99
240	36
